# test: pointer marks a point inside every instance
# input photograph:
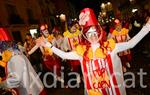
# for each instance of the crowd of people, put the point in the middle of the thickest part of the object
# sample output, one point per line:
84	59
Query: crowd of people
84	47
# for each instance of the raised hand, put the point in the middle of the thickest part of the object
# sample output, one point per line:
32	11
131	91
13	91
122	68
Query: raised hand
41	41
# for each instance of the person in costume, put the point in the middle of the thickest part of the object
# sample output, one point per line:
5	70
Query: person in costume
21	78
101	65
58	38
120	34
50	61
28	45
72	38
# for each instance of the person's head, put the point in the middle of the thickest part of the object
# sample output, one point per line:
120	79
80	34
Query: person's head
118	24
8	45
7	50
92	35
90	27
28	36
73	29
77	26
72	25
44	30
56	31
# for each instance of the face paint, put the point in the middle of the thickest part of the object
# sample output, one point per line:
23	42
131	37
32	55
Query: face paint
92	35
45	32
73	29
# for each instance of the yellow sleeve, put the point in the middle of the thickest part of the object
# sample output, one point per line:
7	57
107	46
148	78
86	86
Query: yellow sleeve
80	49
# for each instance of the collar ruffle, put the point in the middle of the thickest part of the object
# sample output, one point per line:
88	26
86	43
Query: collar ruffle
50	37
71	35
100	52
123	31
6	56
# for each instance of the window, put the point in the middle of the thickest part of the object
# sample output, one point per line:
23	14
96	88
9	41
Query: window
13	16
30	14
17	36
27	1
31	19
11	9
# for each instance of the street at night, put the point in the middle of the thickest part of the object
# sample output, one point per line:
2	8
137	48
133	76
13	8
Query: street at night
75	47
140	61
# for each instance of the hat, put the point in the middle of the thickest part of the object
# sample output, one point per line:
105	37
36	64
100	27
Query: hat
87	18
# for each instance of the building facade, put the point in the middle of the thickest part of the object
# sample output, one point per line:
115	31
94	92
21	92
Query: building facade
18	16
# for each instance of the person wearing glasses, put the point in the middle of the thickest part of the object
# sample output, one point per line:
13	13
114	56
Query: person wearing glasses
50	61
101	65
21	78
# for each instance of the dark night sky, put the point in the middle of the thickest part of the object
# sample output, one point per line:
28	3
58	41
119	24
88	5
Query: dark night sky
80	4
95	4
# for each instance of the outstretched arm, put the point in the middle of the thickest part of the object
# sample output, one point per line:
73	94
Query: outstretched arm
131	43
33	49
64	55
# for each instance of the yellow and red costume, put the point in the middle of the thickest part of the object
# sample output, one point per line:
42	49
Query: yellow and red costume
95	65
119	37
50	61
100	63
20	75
71	40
